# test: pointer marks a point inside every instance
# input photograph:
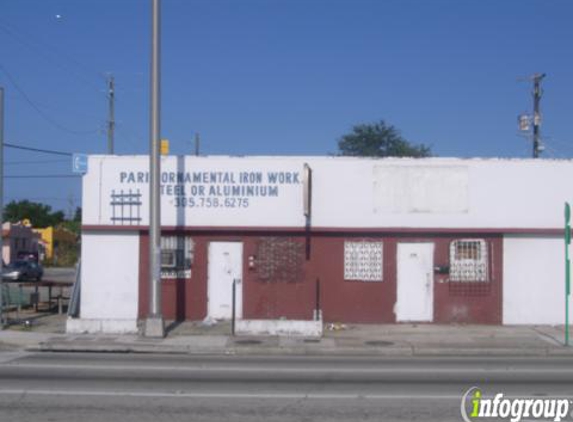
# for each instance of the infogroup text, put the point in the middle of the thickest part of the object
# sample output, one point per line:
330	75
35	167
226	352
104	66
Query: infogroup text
475	406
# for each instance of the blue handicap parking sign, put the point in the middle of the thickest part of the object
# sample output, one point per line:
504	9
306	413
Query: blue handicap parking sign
80	163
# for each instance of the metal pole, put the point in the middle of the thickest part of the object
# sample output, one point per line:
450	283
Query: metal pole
197	140
536	114
154	326
317	307
1	202
234	303
111	121
567	269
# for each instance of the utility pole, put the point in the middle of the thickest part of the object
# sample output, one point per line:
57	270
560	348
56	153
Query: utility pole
197	141
154	325
537	93
1	202
71	209
111	120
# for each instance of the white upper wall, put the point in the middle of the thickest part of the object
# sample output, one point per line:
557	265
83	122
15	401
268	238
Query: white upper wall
347	192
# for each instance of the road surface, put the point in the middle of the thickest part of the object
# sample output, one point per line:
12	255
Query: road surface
139	387
60	274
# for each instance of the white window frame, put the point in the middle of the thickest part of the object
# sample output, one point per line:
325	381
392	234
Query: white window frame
469	269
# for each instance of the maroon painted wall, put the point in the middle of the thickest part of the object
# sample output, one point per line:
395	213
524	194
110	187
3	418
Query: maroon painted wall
353	301
341	300
181	299
477	303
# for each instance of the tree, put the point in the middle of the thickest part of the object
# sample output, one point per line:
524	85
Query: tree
78	215
379	140
74	225
40	215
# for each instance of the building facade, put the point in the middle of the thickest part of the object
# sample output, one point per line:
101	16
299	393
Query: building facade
55	239
364	240
19	241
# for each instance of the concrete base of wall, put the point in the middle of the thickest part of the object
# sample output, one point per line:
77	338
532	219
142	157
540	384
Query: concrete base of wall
262	327
101	326
154	328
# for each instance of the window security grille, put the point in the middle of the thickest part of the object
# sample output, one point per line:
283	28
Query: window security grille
280	260
363	261
469	260
126	207
176	256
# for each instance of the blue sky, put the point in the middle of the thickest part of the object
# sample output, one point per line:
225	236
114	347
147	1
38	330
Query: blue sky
268	77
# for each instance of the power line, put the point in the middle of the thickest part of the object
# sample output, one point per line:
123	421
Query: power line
44	151
42	49
39	110
43	176
7	163
37	198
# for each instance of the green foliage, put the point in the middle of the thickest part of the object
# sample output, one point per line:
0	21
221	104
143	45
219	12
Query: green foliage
66	255
78	215
379	140
74	225
40	215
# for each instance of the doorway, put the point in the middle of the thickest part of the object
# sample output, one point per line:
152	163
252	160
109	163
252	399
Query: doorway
415	282
225	266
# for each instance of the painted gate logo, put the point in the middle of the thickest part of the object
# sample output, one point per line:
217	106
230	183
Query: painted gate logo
475	407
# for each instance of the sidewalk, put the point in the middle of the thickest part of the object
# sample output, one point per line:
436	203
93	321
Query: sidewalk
47	333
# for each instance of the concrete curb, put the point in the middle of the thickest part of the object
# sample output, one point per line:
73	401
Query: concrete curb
312	350
431	342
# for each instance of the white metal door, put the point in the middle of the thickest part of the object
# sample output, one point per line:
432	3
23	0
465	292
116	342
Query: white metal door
225	265
415	301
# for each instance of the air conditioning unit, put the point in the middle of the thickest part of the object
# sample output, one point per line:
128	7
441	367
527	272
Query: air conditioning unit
168	259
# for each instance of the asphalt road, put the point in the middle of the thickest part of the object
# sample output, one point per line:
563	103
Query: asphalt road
60	274
137	387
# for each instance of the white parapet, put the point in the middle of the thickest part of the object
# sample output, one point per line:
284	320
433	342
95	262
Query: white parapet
100	326
278	327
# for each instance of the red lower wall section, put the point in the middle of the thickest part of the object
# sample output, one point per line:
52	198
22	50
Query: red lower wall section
323	263
469	303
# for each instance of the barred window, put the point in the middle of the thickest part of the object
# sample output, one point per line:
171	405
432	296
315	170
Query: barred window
469	260
176	256
363	261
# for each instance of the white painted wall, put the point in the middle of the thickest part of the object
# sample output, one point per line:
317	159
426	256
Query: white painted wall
533	280
489	193
120	174
110	274
348	192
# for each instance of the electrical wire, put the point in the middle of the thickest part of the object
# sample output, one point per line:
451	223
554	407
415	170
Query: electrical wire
44	48
20	163
44	151
38	198
39	110
43	176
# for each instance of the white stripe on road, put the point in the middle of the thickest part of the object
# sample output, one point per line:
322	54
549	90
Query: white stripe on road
215	395
306	370
310	396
